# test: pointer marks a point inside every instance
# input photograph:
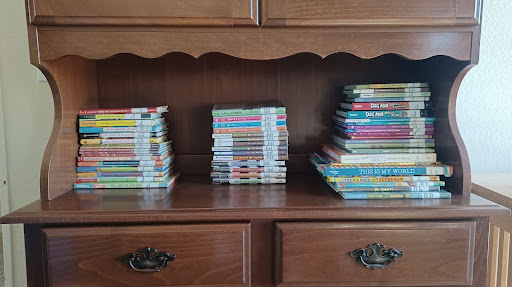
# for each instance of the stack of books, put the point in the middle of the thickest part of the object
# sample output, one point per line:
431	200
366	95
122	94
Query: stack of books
250	144
124	148
383	145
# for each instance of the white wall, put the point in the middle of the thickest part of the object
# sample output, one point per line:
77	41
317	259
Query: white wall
484	110
484	106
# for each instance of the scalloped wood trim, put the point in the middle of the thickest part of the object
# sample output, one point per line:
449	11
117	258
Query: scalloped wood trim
258	45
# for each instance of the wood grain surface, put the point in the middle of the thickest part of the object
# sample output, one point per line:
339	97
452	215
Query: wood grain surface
206	255
316	254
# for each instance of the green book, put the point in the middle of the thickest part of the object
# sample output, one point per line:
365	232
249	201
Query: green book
222	110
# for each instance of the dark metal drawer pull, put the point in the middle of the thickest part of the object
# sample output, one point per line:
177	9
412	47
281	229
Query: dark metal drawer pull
375	257
147	260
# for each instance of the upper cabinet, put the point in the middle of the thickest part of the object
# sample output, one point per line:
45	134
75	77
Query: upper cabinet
367	13
180	13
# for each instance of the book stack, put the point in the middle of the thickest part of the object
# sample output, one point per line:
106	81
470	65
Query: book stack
124	148
383	145
250	144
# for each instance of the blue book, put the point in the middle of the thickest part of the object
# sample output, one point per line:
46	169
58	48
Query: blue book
248	124
329	168
138	129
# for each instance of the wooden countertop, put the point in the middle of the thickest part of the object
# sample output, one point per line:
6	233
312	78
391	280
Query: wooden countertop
194	198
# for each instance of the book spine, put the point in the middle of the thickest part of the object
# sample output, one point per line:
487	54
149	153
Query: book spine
121	141
120	158
368	98
390	137
119	117
122	174
122	163
387	171
249	112
251	143
387	86
268	117
123	111
266	169
249	180
392	189
248	163
251	148
395	150
365	179
265	135
122	135
382	121
254	129
407	127
90	130
387	114
121	179
390	106
253	153
162	154
254	139
255	157
121	169
382	145
396	195
119	123
378	158
122	185
386	134
248	175
397	90
249	124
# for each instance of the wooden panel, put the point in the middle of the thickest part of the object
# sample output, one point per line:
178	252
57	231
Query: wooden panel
316	254
145	13
206	255
339	13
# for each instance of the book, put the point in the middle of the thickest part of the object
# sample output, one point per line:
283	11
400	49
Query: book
266	117
265	169
159	110
124	154
222	110
387	91
248	180
123	174
387	86
384	141
250	157
383	121
123	168
264	135
344	157
326	169
120	123
389	189
442	194
121	179
125	163
122	158
123	141
249	143
139	129
383	114
364	179
383	129
120	117
391	150
251	148
253	129
249	124
123	194
165	184
251	139
247	163
368	98
248	174
378	106
388	134
266	153
123	135
406	126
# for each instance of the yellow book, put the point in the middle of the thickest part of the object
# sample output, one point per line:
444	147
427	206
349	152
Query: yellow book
123	141
121	123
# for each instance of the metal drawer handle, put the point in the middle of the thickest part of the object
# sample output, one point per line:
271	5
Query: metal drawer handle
147	260
375	257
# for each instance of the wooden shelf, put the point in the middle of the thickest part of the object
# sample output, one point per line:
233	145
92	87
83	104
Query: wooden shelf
194	198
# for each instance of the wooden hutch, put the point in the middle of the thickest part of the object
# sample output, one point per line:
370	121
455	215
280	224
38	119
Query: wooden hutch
192	54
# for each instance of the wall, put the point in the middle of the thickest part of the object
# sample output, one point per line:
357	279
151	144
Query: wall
29	111
28	118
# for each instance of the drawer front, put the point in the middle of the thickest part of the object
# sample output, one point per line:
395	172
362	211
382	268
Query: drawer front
281	13
223	13
206	255
317	254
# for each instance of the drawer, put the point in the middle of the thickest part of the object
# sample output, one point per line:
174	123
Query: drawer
206	255
282	13
223	13
317	254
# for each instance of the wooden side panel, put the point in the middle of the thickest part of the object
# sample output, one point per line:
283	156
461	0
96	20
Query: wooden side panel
147	13
317	254
206	255
74	86
338	13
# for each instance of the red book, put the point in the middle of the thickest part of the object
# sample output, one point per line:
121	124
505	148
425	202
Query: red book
152	110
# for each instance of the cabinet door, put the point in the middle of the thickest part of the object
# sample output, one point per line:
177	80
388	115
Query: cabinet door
354	13
198	255
222	13
318	254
